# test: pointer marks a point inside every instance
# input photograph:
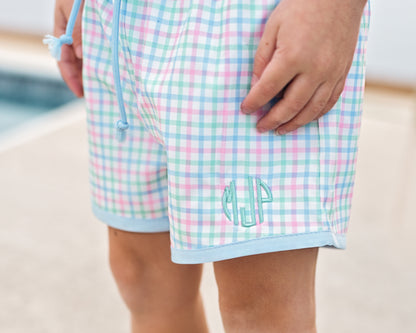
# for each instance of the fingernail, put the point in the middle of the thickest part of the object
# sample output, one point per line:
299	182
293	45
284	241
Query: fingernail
244	109
254	80
280	131
261	129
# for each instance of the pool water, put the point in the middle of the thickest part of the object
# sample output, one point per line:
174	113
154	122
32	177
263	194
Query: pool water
24	97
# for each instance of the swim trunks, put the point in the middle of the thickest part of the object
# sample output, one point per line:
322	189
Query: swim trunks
188	161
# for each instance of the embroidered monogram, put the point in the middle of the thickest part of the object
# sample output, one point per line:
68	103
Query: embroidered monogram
230	196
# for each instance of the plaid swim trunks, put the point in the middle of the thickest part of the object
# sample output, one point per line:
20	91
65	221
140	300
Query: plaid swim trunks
188	160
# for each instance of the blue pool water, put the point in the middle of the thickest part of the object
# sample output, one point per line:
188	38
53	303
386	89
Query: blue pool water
23	97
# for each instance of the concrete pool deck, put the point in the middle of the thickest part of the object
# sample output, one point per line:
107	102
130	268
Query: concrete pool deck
54	271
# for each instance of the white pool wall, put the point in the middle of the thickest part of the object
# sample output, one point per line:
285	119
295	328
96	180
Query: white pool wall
27	16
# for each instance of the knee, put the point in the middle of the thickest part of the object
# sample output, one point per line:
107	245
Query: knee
130	280
264	314
146	285
126	273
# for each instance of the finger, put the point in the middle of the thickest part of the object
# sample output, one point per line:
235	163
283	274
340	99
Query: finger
315	106
265	49
333	99
60	21
71	70
277	74
77	34
296	96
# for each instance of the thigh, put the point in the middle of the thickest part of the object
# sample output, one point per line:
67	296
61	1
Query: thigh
278	285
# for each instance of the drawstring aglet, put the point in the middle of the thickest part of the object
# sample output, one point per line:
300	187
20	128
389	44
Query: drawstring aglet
121	130
55	44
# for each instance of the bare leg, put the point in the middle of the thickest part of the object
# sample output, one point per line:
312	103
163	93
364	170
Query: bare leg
270	292
163	297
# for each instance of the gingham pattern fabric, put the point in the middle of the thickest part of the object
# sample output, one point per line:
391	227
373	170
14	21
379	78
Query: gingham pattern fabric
192	163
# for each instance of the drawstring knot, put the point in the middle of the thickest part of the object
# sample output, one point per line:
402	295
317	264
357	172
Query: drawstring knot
121	126
55	44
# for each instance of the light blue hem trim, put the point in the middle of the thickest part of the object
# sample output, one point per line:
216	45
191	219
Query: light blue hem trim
260	245
130	224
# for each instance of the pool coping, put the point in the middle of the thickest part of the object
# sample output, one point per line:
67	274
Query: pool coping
42	125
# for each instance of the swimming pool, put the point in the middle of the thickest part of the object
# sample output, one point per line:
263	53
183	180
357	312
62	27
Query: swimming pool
24	97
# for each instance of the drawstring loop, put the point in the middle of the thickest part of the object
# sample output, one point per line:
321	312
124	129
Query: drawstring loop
55	43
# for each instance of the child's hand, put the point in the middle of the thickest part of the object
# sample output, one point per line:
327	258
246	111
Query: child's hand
70	64
308	46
